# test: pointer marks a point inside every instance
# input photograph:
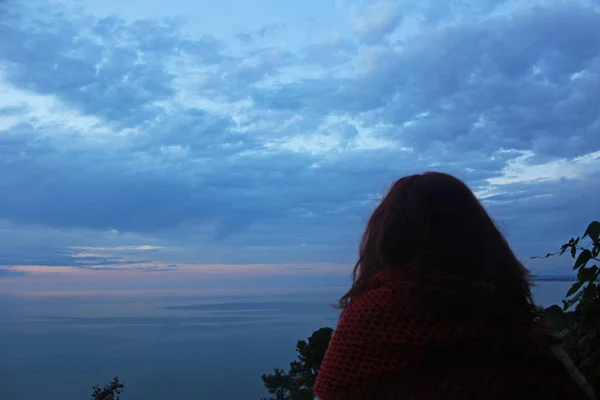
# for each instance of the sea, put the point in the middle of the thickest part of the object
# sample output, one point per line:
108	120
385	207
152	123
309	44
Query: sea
163	345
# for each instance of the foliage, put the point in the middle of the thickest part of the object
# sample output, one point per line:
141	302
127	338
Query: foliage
111	391
298	382
582	338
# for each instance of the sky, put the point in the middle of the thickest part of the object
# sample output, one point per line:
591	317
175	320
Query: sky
156	143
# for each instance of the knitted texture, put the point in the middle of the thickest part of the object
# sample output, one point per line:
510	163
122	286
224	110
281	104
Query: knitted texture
440	338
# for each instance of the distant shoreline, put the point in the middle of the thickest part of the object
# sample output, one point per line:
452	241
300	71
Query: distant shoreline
554	278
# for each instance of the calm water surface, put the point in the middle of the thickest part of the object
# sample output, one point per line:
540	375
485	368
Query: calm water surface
169	346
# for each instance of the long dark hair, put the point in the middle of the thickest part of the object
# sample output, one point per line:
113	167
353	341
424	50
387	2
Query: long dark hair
433	223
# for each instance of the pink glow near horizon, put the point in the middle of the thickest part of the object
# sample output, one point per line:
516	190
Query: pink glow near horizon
133	278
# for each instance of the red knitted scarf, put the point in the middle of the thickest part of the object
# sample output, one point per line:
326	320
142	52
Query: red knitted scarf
440	338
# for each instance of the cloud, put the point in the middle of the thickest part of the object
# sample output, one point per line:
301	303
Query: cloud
330	53
245	37
105	67
499	83
249	37
6	273
117	134
377	19
146	268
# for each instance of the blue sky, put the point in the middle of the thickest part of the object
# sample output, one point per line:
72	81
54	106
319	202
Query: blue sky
172	137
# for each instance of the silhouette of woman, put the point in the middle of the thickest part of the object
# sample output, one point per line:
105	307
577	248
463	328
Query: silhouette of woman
441	308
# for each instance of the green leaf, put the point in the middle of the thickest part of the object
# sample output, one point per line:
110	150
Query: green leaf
576	286
593	231
583	258
587	274
573	251
573	300
589	292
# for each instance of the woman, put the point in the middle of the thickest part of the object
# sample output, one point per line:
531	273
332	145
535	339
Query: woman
441	308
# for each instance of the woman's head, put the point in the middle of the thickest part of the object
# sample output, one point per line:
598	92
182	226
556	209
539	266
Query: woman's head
433	223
